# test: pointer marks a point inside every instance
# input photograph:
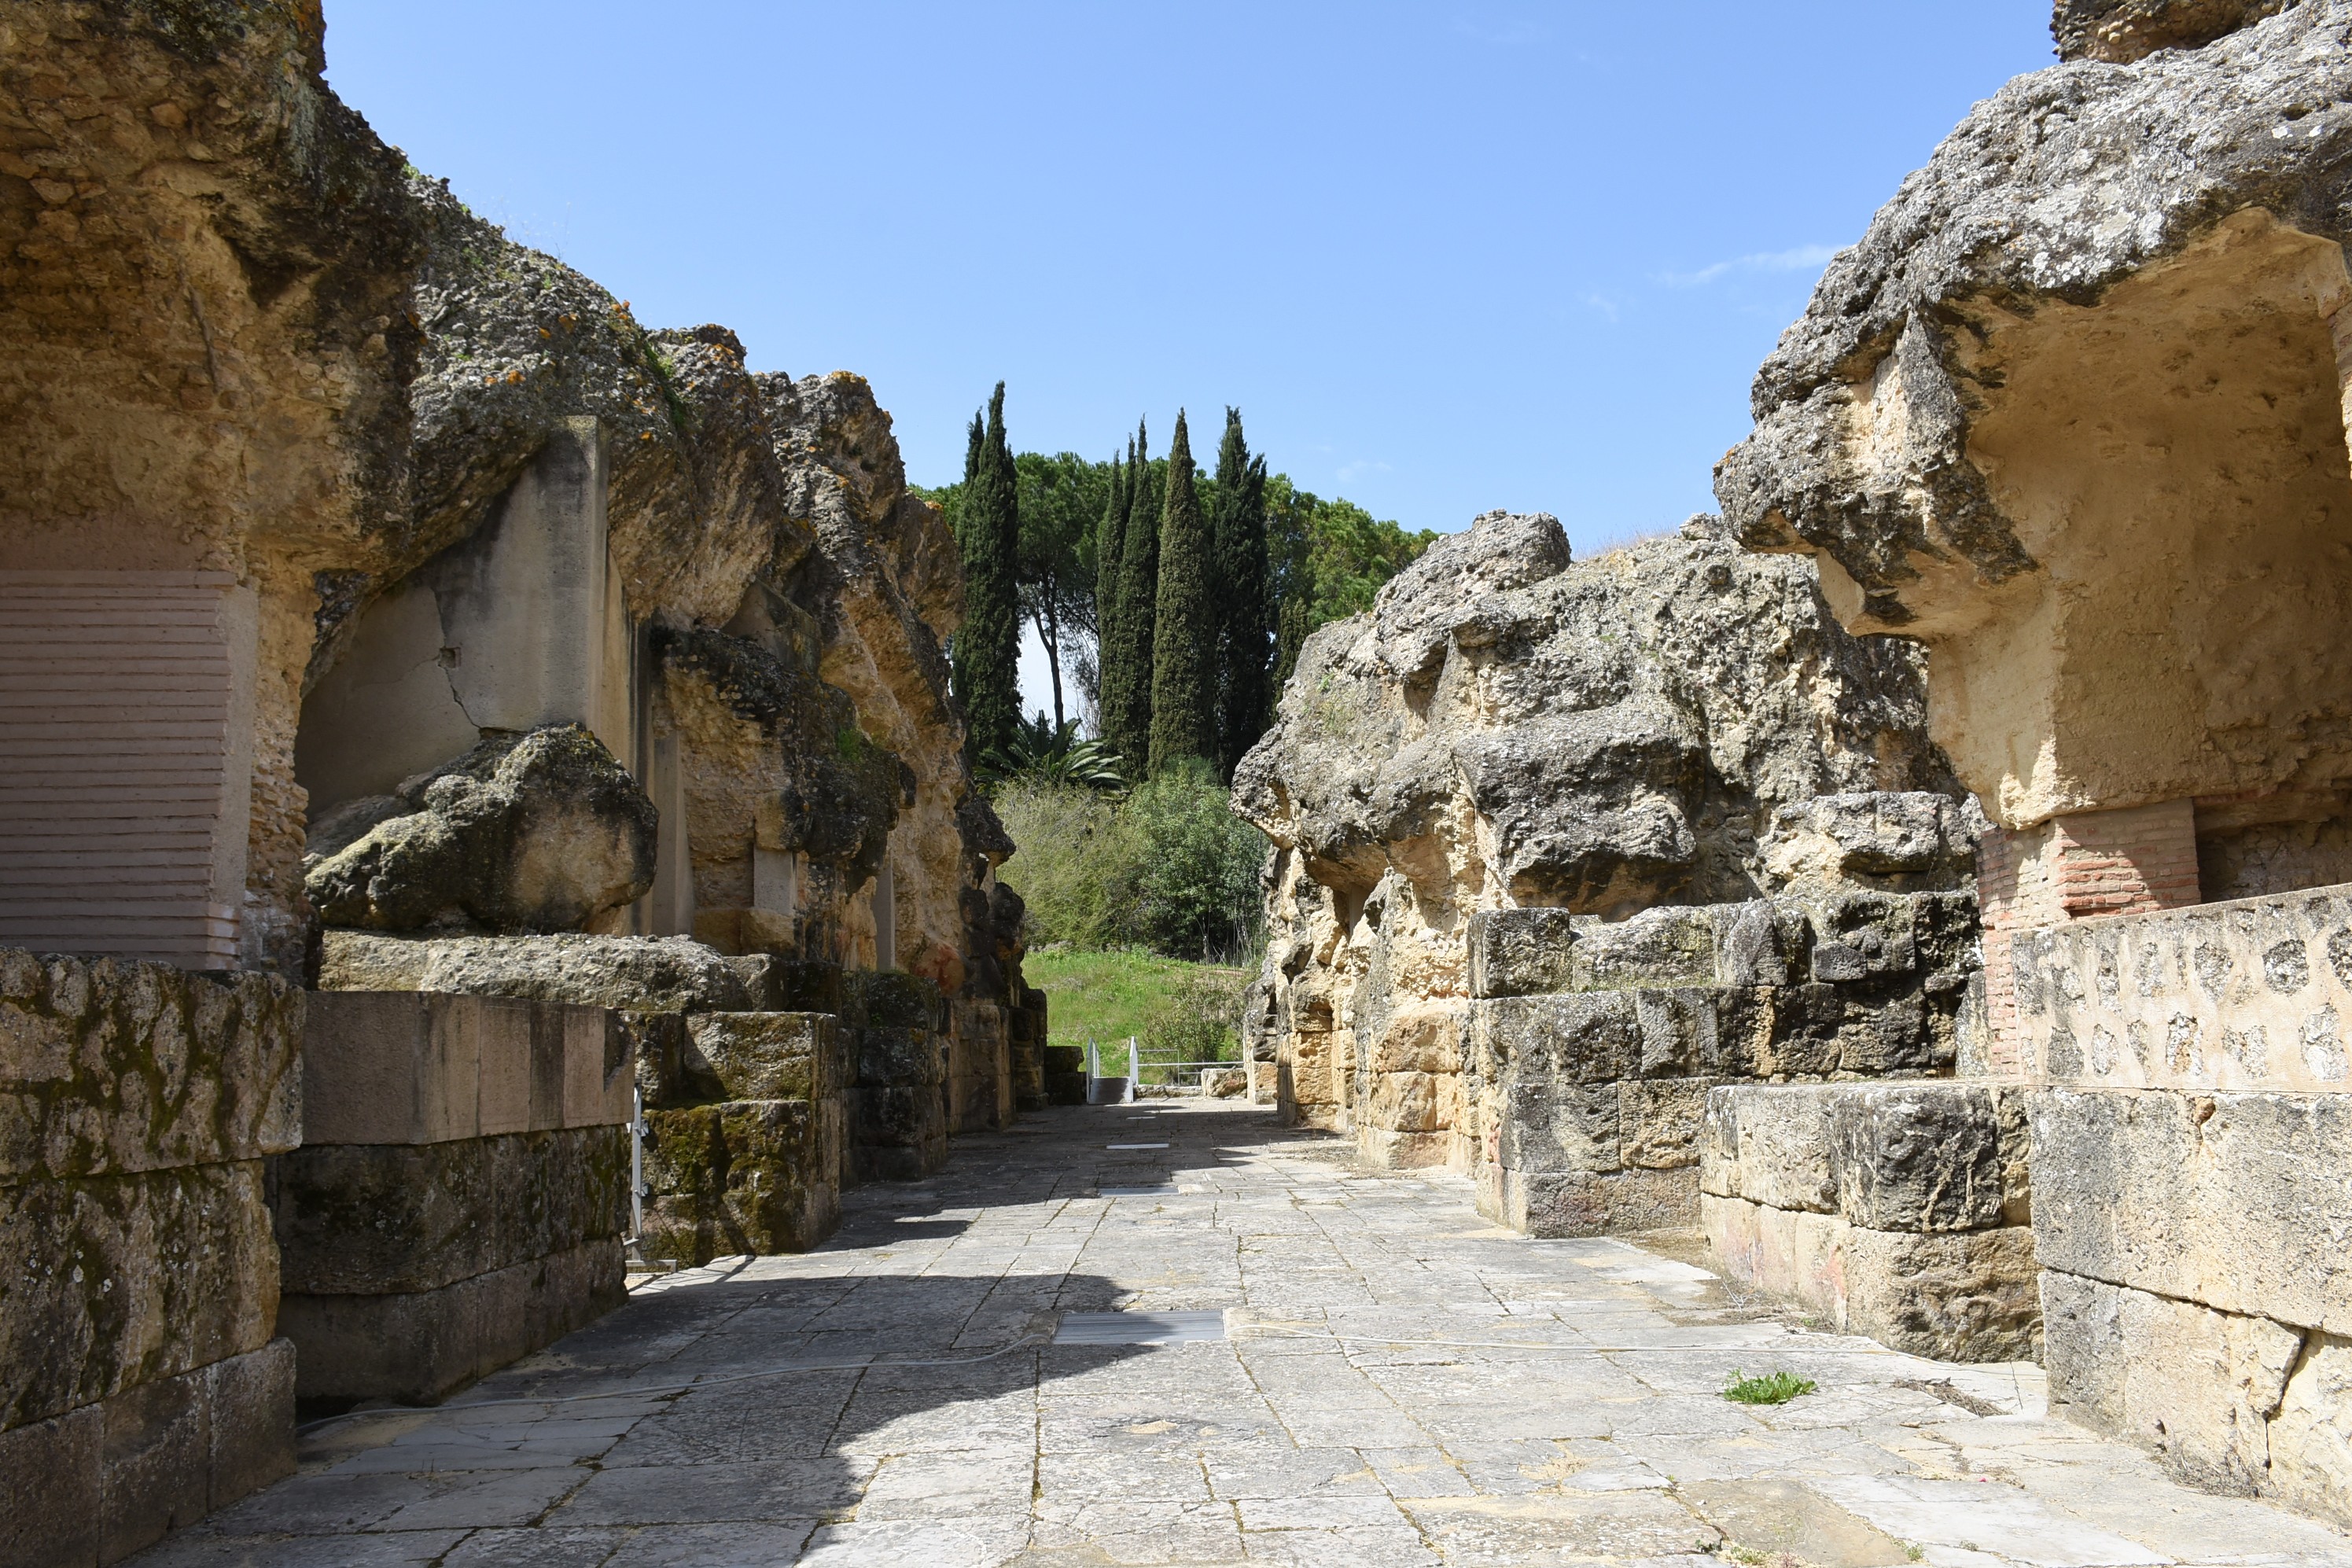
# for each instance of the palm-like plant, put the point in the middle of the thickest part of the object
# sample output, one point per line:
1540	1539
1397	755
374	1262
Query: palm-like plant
1044	752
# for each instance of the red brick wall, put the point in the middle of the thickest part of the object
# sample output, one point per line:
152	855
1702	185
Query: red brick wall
2075	867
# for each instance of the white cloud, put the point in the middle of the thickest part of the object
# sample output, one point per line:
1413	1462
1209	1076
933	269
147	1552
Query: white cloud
1801	258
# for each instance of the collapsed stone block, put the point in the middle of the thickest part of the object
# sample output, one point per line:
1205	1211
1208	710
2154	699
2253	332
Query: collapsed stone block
1918	1157
539	832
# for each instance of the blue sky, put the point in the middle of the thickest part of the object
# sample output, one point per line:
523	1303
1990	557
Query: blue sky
1444	256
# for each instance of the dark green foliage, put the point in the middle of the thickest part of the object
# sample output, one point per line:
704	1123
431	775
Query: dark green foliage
1111	539
1169	867
987	668
1127	699
1326	559
1244	651
1184	631
1050	753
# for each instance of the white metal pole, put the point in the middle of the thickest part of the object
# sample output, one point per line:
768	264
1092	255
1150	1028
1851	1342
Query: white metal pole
1134	1067
637	1165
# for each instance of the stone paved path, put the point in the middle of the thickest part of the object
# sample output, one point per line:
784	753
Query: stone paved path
1395	1382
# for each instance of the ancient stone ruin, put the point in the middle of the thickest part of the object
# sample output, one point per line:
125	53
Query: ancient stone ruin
441	714
1947	908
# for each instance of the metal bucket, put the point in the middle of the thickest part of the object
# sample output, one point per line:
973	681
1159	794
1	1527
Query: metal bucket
1105	1090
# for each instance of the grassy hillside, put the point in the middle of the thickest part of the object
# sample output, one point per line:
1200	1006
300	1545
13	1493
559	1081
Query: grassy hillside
1179	1010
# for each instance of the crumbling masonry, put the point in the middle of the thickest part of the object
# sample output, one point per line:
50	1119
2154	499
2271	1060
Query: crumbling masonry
439	710
1605	914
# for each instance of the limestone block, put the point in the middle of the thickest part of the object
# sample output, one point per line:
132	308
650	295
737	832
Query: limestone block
178	1447
537	832
1954	1295
2311	1435
1698	1031
418	1067
121	1280
1066	1059
1757	943
1668	945
360	1218
1802	1038
51	1491
1548	1128
746	1176
671	1070
417	1348
1578	1203
1869	832
1770	1143
890	998
1862	935
1885	1033
1577	1037
769	1056
252	1420
1660	1122
1520	952
2196	1386
112	1067
2216	1199
1919	1156
1404	1102
890	1057
1787	1252
897	1135
648	975
1417	1039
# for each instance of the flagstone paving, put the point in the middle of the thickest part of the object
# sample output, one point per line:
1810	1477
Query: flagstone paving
1399	1383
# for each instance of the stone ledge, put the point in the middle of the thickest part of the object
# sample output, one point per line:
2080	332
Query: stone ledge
103	1480
1911	1154
419	1347
1954	1295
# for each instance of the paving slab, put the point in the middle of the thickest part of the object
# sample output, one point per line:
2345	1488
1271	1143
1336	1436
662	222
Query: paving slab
1395	1382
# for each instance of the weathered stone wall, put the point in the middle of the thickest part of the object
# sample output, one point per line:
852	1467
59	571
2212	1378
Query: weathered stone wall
1898	1210
1626	752
139	1309
460	1191
2073	413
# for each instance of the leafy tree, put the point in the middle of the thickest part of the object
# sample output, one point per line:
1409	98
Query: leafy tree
1244	650
1326	559
1061	499
1126	698
1051	752
987	649
1184	631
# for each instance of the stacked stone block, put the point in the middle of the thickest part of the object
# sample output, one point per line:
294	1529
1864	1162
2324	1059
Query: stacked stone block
1895	1210
1028	1027
1593	1046
139	1302
461	1191
2191	1128
896	1025
746	1132
1066	1075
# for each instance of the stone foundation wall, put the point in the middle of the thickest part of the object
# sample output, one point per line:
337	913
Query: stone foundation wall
461	1190
1895	1210
1594	1047
138	1308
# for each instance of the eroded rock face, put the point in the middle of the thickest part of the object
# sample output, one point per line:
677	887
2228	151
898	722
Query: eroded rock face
528	833
2070	413
1557	845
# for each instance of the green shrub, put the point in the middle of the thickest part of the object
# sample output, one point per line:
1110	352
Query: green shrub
1169	868
1201	1021
1772	1388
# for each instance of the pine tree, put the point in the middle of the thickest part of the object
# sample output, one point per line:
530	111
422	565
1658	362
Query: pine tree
1245	630
1184	630
1127	707
987	667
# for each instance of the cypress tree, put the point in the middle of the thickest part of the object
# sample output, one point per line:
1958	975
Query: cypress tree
1184	631
1245	631
1110	536
1127	707
987	665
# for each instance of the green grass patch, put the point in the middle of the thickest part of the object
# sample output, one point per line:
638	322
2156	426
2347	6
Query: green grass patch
1180	1011
1772	1388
